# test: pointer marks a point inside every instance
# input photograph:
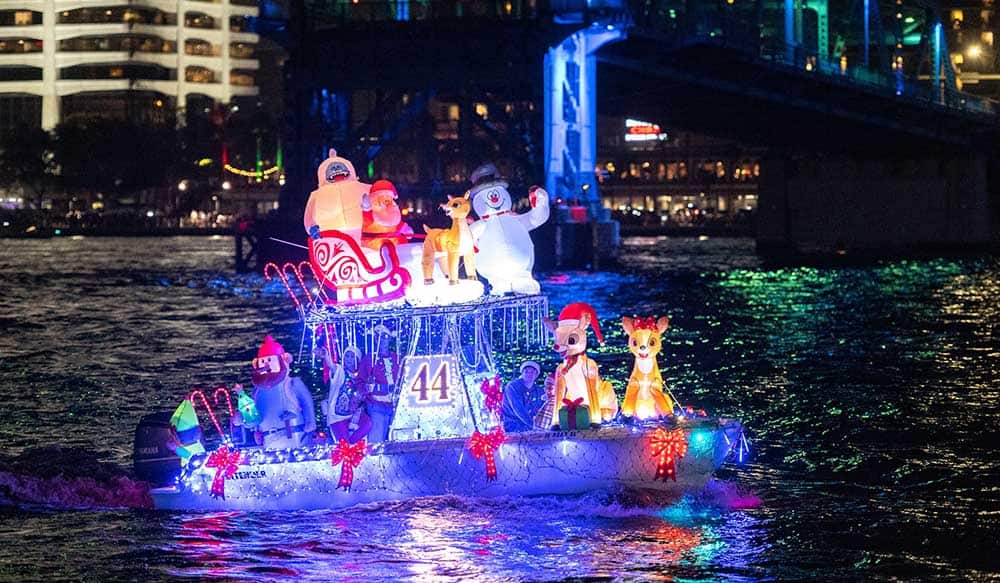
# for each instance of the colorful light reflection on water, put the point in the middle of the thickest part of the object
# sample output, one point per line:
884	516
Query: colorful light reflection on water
868	390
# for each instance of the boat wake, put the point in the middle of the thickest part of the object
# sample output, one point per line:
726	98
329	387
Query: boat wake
69	478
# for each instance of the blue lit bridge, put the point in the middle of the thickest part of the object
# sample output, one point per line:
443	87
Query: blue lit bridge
869	141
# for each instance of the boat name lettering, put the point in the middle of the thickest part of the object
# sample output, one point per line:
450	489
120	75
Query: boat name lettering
251	475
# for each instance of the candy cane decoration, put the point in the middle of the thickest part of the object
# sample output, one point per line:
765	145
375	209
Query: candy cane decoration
280	274
208	408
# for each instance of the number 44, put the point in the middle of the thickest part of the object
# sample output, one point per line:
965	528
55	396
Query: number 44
439	384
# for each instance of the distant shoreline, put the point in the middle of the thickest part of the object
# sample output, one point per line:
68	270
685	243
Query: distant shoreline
50	233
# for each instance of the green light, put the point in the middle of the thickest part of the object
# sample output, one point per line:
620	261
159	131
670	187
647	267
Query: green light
673	13
371	168
909	20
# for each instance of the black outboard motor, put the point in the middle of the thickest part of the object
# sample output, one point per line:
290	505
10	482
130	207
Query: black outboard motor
154	461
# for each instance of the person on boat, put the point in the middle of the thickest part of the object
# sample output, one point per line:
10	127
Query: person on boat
344	407
287	412
543	419
380	373
522	399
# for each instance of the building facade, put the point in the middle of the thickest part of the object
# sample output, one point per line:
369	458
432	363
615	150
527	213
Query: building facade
652	176
142	60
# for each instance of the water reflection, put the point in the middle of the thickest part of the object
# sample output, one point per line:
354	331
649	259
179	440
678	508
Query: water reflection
870	392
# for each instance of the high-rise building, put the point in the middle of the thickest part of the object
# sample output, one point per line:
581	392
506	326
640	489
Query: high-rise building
140	59
972	25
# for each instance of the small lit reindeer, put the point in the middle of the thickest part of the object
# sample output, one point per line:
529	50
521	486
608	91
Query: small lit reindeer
451	244
644	397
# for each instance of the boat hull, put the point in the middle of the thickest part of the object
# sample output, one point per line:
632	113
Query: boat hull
527	464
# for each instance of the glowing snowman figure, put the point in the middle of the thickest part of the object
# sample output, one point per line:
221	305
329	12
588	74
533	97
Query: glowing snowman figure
505	253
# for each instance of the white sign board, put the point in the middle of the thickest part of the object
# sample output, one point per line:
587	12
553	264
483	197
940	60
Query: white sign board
432	400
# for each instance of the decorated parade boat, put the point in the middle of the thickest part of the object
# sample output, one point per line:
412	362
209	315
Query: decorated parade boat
415	404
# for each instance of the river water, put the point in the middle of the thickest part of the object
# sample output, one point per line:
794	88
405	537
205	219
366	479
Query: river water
869	391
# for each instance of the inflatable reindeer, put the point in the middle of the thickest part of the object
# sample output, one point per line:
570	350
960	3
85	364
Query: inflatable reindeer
450	244
578	382
644	397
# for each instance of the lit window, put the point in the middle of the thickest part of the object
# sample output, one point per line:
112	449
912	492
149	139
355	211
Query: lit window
987	38
24	18
482	111
957	15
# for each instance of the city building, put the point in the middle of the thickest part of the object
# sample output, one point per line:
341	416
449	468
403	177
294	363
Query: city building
141	60
653	176
970	38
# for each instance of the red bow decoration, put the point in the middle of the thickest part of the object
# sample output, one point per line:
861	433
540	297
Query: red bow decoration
645	323
350	456
483	445
667	448
572	405
225	463
494	394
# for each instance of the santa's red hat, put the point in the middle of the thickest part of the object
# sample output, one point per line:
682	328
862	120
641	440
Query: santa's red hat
573	313
385	185
270	348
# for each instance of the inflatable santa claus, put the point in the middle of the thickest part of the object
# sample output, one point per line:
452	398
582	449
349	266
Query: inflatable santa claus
287	416
384	222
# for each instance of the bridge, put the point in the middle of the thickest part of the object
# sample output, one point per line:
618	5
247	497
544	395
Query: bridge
869	140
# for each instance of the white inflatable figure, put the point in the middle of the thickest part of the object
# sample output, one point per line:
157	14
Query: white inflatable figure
334	218
505	252
339	200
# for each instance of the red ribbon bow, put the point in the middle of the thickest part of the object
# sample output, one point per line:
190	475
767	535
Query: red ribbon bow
493	392
667	448
225	463
483	445
645	323
572	405
350	456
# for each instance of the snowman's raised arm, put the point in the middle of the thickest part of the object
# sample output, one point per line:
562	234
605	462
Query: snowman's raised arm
539	212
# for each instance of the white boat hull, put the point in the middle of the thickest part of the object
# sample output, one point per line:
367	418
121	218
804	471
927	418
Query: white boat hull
528	464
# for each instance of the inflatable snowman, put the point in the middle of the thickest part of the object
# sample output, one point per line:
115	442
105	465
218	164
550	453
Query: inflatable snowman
505	252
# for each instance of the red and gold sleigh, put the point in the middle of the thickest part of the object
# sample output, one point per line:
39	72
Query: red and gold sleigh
341	264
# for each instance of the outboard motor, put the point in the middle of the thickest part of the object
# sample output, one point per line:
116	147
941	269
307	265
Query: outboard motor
154	461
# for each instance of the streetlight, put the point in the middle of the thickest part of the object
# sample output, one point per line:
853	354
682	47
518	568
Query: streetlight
974	51
182	185
226	185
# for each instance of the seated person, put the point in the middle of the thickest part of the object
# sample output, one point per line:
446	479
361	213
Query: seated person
287	413
345	407
543	419
380	373
522	399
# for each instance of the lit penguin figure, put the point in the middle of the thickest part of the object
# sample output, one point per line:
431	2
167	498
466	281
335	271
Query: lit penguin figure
505	253
339	201
644	397
578	376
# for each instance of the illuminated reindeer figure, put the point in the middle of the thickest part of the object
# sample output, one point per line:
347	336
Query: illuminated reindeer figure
644	397
578	376
451	244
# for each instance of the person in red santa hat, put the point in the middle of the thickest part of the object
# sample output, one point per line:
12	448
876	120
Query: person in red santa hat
287	412
384	222
578	376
